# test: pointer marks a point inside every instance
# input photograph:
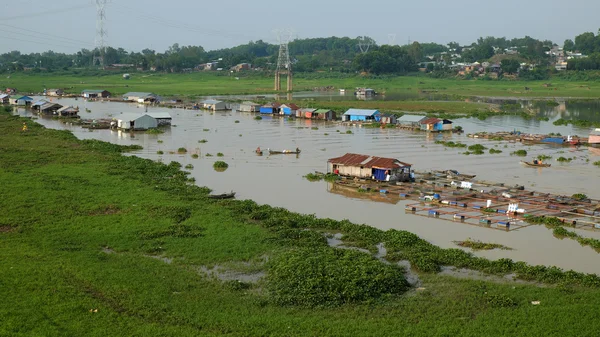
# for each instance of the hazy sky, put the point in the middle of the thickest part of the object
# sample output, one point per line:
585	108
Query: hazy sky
70	25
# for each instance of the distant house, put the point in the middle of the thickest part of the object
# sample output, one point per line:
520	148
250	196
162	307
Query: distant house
11	91
21	100
249	107
323	114
49	108
162	118
364	92
272	108
141	97
388	118
410	121
133	121
68	111
214	105
305	112
288	109
241	67
55	92
37	104
369	167
432	124
4	98
362	115
89	93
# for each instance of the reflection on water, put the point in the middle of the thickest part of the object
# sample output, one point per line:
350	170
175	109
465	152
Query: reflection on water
278	179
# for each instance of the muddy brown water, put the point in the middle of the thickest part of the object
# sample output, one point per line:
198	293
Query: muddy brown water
278	179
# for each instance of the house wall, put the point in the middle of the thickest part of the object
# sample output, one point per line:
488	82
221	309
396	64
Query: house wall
266	110
446	126
352	171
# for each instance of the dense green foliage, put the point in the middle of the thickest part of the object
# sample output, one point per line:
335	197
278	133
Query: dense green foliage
327	276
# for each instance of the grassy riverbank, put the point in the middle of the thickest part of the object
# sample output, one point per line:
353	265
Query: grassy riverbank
196	84
97	243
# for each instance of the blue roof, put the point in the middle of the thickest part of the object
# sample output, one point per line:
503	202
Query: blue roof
24	98
361	112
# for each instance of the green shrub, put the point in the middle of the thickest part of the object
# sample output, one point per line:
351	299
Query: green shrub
189	166
494	151
220	164
330	277
520	153
159	152
202	141
219	154
195	156
258	118
181	150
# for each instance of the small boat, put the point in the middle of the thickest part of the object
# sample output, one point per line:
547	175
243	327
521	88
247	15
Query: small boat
285	152
529	163
222	196
453	174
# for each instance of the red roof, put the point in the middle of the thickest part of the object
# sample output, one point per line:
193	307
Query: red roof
353	159
431	120
293	106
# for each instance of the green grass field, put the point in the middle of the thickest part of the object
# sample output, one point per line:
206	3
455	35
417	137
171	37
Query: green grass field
94	243
196	84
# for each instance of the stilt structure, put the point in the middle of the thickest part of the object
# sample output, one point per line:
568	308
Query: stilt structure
284	65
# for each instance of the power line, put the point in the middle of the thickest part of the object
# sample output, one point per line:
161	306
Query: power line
53	11
36	42
56	37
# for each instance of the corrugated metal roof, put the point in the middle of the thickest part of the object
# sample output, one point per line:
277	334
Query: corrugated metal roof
411	118
24	98
361	112
68	109
211	101
40	102
139	94
353	159
305	110
159	115
130	116
431	120
93	91
322	111
2	96
595	132
49	105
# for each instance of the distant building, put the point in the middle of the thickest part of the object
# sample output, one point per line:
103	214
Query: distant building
21	100
89	93
214	105
288	109
241	67
136	122
323	114
271	108
11	91
55	92
369	167
49	108
4	98
410	121
362	115
388	118
249	107
68	111
141	97
431	124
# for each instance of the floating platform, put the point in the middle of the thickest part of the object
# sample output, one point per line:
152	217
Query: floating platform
474	202
512	136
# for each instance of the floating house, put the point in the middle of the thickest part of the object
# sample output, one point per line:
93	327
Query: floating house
388	118
36	105
68	111
21	100
410	121
305	113
49	108
272	108
141	97
362	115
133	121
54	92
594	137
162	118
431	124
323	114
91	93
447	125
364	92
288	109
370	167
4	98
11	91
249	107
214	105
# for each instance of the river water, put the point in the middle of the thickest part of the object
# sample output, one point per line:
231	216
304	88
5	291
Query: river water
278	180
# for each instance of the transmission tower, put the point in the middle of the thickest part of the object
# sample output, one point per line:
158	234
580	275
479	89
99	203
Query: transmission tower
364	44
100	31
392	39
284	65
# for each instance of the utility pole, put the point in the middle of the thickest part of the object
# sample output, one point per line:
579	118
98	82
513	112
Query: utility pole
284	65
100	31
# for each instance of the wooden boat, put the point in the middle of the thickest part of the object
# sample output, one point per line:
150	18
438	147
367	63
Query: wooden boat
285	152
453	174
222	196
528	163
